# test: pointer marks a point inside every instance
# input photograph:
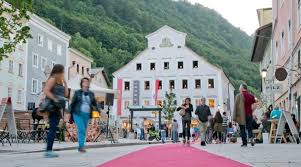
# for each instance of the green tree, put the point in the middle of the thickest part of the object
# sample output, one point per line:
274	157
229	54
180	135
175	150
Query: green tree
12	28
169	105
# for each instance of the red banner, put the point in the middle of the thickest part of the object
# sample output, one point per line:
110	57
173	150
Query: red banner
119	102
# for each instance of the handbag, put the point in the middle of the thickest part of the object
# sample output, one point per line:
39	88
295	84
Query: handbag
48	105
182	112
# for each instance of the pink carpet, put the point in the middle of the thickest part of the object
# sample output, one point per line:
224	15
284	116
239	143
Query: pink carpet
172	155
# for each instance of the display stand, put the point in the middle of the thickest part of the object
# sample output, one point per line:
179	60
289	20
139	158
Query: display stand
287	118
6	106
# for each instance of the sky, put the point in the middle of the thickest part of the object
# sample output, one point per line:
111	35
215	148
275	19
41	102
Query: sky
240	13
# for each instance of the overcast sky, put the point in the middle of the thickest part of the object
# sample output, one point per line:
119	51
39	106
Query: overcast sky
240	13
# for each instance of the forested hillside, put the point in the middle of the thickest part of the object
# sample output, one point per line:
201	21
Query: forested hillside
112	32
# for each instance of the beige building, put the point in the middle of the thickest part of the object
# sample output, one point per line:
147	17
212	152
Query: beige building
79	64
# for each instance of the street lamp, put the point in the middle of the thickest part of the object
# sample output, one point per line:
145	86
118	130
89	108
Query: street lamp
264	73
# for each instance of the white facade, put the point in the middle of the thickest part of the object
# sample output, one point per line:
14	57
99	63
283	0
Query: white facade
168	59
12	73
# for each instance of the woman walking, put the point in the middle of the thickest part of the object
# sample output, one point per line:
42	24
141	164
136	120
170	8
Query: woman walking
187	108
82	104
218	126
56	90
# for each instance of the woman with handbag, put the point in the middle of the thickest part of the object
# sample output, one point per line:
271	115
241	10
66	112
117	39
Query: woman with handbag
185	111
55	90
82	105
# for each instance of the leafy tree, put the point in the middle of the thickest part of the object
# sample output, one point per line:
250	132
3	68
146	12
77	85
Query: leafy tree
12	28
169	105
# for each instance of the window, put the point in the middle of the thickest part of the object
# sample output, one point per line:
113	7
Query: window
160	85
289	43
10	66
35	60
59	50
43	63
299	13
49	45
211	83
171	84
146	85
146	102
127	85
166	65
19	96
197	83
152	66
282	43
126	104
211	103
40	40
77	68
20	70
138	66
9	91
184	84
34	86
195	64
83	70
180	65
159	103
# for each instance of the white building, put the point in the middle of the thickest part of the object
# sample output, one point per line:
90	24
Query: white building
12	73
178	68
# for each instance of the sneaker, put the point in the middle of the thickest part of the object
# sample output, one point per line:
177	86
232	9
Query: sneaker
252	141
50	154
82	150
244	145
203	143
184	141
188	143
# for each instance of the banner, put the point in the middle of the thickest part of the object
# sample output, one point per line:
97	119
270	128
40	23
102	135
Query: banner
155	91
136	92
119	102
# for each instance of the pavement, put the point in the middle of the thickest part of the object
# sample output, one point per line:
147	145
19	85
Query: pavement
262	155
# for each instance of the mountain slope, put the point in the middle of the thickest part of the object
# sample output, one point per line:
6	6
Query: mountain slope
112	32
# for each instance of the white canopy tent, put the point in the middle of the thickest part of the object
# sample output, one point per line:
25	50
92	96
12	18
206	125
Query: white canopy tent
74	84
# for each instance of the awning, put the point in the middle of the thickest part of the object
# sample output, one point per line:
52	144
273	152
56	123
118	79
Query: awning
144	108
74	84
262	37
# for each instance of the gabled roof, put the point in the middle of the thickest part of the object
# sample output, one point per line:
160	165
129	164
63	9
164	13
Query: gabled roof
165	27
95	71
262	37
80	54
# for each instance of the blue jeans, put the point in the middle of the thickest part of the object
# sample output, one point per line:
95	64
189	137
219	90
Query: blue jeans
54	120
142	134
81	120
174	136
163	135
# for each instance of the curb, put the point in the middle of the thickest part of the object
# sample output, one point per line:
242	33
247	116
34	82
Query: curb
89	146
